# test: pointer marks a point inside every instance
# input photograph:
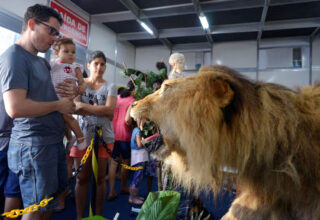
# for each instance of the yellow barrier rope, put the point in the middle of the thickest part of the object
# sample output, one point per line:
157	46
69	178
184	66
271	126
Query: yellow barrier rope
33	208
125	166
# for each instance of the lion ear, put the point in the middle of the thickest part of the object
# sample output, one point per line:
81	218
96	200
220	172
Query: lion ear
222	91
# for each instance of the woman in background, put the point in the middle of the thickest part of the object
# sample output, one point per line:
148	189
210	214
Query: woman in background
122	132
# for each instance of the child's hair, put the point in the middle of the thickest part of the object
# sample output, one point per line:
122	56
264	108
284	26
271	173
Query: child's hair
161	65
134	123
127	91
64	40
120	90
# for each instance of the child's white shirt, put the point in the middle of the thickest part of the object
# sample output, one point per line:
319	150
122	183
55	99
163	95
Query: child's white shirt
62	71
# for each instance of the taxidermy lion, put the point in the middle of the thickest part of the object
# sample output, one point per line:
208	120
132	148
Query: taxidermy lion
268	133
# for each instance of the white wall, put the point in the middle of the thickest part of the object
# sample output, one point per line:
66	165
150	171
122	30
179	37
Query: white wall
102	38
238	55
276	66
275	58
250	75
19	7
125	54
241	54
316	60
290	78
146	57
316	52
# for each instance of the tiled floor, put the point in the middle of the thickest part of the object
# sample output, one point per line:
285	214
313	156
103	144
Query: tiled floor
122	206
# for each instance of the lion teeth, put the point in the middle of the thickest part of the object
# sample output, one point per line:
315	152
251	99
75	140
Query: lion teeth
138	122
142	122
141	125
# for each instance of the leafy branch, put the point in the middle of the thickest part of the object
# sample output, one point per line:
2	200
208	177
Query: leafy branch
143	86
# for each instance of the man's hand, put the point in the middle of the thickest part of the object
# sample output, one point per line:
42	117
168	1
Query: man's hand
66	106
67	88
78	105
79	108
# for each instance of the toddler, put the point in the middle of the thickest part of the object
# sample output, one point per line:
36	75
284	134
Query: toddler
139	155
64	68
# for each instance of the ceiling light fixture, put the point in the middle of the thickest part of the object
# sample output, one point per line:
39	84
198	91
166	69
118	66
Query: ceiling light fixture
204	22
146	27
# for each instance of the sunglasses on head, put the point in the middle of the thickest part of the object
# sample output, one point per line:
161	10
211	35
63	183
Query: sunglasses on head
51	30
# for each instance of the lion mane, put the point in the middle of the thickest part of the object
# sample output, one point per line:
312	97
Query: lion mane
218	120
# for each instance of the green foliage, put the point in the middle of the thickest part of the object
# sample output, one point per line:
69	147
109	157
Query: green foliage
163	74
143	81
160	205
143	87
148	128
140	93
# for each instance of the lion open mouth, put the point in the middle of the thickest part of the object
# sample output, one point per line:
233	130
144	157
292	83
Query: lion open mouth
141	122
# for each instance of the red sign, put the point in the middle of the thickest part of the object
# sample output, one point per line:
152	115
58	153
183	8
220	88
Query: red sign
74	26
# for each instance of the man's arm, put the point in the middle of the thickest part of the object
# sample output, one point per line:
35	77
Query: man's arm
18	105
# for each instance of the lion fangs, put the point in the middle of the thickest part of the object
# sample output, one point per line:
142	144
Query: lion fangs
141	124
138	122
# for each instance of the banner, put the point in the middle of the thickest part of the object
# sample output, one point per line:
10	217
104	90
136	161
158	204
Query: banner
74	26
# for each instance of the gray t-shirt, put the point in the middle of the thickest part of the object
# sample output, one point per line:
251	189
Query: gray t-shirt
6	125
89	122
20	69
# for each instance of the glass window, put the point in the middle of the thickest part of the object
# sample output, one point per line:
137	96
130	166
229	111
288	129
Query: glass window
7	38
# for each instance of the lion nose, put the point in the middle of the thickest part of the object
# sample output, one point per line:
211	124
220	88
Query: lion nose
133	104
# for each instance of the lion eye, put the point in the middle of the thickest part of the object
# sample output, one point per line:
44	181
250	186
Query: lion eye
164	88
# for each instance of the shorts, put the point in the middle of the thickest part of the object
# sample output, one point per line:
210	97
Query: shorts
42	171
9	181
122	148
103	153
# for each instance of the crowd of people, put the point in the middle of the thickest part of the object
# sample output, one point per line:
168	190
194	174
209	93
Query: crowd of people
37	101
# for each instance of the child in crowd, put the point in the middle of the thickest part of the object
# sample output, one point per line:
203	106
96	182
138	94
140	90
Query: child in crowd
153	165
139	155
64	68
